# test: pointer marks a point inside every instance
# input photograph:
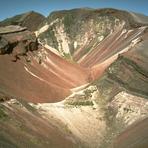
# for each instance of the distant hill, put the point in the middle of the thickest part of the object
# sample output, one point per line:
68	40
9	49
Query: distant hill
31	20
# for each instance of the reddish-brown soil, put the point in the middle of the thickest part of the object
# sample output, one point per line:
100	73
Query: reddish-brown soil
40	84
134	137
51	78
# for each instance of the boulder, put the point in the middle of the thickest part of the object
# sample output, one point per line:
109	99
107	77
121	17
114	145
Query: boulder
4	45
11	29
17	40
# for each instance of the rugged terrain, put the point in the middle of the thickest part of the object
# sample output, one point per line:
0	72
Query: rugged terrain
78	78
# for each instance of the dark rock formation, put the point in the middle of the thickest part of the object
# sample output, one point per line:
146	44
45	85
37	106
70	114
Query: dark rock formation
4	45
17	40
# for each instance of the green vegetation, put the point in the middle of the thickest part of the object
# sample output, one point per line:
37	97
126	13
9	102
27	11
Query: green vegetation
27	106
5	142
81	103
3	115
51	38
67	56
68	21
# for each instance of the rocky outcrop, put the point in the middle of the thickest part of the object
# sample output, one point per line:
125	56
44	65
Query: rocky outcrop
31	20
17	41
11	29
4	45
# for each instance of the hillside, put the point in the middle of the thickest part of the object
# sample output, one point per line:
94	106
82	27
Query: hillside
31	20
74	33
78	78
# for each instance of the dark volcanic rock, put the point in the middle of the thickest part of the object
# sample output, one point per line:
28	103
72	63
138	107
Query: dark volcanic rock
4	45
31	20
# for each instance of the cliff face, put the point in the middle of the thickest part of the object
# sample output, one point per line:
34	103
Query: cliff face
82	75
17	40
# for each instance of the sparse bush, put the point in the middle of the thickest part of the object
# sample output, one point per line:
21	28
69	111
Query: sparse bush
81	103
3	115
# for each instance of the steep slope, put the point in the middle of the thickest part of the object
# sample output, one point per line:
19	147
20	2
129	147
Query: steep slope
33	72
97	59
134	137
22	126
40	64
129	71
92	38
75	33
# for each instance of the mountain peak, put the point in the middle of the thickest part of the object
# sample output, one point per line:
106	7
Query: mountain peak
30	19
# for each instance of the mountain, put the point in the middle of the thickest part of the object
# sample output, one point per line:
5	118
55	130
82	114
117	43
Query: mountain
78	78
31	20
76	32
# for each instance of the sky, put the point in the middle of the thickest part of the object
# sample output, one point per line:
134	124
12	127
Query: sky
9	8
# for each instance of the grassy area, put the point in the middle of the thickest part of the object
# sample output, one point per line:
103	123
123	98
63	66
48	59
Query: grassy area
81	103
3	115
